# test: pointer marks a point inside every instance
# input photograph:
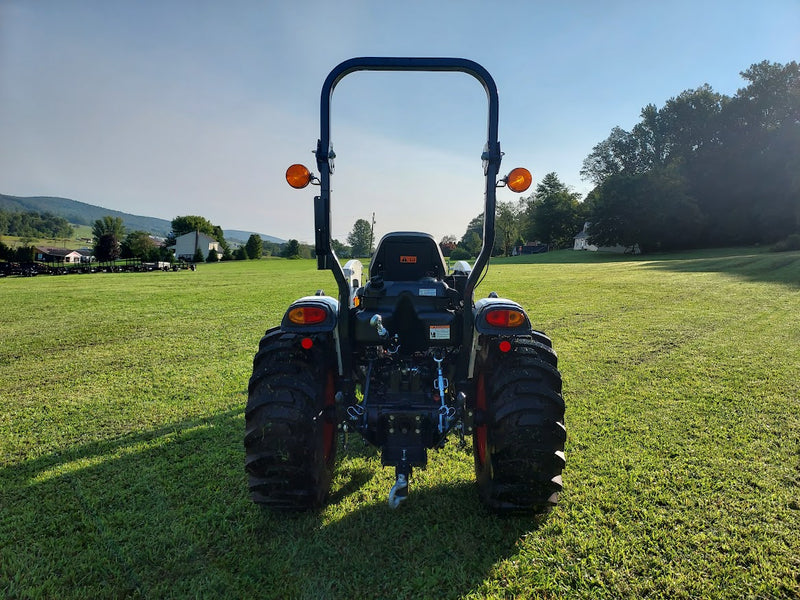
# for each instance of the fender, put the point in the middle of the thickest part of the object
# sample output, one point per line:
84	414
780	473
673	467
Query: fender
326	325
488	316
519	324
328	304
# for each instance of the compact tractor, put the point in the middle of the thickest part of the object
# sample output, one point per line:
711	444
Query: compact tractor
407	357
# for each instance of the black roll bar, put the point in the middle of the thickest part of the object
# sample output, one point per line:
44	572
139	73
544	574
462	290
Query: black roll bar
491	157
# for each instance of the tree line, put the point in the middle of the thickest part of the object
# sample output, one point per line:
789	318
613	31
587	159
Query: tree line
34	225
112	241
703	170
550	216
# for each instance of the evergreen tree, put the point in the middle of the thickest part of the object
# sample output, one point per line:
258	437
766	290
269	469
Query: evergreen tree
254	246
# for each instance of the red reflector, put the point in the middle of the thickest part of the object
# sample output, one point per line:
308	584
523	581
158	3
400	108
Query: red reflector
505	346
307	343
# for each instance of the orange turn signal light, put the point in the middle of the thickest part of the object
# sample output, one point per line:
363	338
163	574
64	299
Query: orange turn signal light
298	176
307	315
503	317
519	179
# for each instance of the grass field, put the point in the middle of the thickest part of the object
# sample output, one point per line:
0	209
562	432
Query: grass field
81	237
121	426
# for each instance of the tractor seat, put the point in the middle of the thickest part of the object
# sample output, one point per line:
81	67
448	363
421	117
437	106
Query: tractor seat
407	256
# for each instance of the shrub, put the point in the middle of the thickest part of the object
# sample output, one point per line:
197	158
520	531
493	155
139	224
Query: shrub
460	254
792	242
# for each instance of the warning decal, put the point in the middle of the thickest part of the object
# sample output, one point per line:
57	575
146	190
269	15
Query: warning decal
408	259
440	332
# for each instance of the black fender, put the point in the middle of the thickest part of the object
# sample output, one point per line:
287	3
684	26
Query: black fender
327	327
484	324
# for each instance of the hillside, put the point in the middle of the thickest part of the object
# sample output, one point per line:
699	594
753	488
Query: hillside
81	213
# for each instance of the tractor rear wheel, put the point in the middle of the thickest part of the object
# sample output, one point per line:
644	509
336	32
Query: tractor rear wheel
290	431
519	434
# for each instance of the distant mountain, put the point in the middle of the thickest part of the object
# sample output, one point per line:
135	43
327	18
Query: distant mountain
236	235
81	213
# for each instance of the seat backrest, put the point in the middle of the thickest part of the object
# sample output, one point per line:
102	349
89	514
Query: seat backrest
407	256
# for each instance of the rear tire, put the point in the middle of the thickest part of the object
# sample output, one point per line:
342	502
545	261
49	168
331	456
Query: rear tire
290	431
519	435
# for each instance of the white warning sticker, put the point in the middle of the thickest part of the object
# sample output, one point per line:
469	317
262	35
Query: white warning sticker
427	291
440	332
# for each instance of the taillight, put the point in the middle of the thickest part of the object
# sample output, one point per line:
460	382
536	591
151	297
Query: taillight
307	315
504	317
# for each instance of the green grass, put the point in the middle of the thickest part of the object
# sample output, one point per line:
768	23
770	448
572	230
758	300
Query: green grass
81	237
121	425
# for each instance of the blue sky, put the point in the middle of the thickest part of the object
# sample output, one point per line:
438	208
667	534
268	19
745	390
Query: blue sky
166	108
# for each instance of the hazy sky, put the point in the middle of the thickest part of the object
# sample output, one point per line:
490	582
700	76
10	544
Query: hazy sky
168	107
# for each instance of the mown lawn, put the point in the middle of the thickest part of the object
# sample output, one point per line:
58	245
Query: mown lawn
121	425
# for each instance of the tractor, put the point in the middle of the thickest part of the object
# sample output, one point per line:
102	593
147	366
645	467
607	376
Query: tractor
407	357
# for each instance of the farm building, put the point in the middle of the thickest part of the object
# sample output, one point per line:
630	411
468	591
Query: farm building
57	255
187	245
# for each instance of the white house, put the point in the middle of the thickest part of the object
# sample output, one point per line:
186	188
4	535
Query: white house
582	243
187	245
582	240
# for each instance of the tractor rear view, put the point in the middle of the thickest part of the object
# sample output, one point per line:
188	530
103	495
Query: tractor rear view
406	358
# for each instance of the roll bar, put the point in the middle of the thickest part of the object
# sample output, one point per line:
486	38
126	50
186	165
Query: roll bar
491	157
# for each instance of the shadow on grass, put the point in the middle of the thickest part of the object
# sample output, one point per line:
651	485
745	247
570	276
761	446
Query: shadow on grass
165	513
563	257
745	263
751	264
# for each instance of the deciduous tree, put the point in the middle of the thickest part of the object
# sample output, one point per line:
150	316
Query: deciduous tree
108	232
190	223
137	244
359	239
291	250
555	212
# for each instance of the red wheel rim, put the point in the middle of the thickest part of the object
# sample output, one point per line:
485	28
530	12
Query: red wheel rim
328	425
480	430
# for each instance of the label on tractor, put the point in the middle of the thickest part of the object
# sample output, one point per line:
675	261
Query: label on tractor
427	291
411	260
440	332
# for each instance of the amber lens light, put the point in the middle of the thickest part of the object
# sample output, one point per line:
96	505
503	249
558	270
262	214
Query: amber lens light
307	315
519	180
505	318
298	176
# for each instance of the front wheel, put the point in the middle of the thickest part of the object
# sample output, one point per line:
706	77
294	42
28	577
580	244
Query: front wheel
290	433
519	435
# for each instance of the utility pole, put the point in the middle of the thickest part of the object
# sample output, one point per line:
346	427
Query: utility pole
372	233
